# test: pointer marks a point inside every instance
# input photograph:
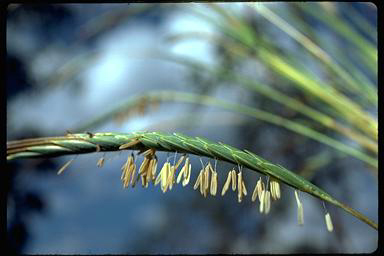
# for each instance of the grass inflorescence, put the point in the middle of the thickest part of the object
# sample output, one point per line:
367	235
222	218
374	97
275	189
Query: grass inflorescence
147	143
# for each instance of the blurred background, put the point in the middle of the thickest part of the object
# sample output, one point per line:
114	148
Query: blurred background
295	83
